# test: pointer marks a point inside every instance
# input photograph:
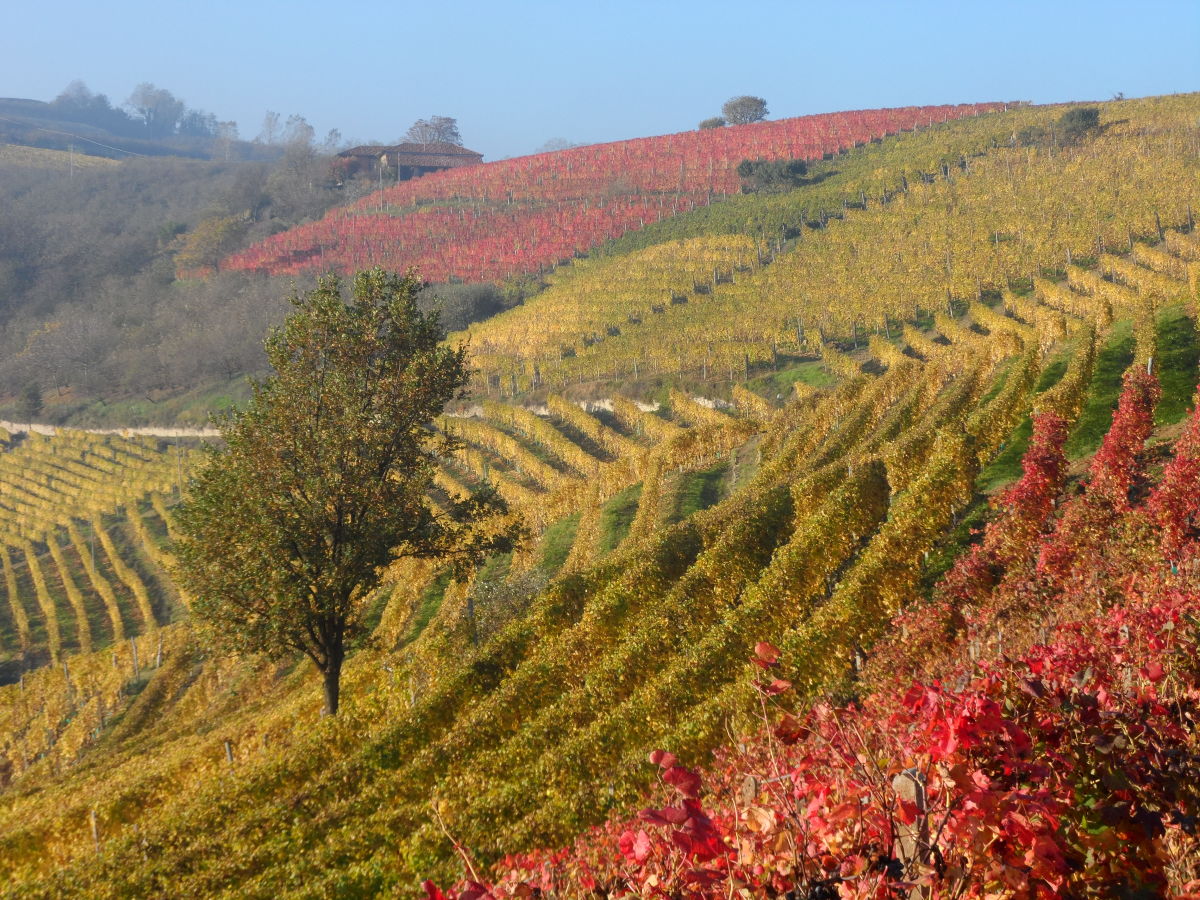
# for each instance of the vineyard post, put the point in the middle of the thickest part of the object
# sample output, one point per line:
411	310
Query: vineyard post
95	828
133	652
229	752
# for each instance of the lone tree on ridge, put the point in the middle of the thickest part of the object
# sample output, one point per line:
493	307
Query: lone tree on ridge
744	110
323	478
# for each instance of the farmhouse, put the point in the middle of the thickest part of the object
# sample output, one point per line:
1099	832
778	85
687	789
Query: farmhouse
405	161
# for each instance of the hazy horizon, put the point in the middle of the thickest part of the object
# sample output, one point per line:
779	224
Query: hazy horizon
518	76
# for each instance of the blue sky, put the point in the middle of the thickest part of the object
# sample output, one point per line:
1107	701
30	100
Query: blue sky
516	74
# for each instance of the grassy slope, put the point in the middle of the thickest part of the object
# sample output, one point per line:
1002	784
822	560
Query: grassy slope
37	157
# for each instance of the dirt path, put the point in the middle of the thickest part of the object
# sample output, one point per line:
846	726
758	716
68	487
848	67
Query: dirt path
163	432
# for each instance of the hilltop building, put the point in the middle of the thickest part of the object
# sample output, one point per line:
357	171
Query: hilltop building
404	161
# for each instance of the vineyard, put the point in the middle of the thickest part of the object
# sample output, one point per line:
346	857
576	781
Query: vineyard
519	216
928	421
928	238
81	535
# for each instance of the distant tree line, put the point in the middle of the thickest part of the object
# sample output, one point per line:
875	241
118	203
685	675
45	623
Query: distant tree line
149	111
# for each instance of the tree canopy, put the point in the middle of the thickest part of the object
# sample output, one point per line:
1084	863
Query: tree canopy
323	479
158	109
771	175
744	110
434	130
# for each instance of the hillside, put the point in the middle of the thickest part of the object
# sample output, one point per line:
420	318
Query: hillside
519	216
92	314
41	158
89	126
770	429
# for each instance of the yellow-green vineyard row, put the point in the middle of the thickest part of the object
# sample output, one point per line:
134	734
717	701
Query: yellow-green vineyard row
82	568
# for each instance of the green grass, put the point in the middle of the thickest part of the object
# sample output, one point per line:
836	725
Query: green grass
556	543
427	605
1178	364
1007	465
998	382
955	544
375	606
617	516
495	568
746	460
699	490
778	385
1111	362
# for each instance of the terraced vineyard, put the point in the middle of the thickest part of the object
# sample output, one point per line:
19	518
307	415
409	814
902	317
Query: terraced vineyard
786	440
933	237
81	530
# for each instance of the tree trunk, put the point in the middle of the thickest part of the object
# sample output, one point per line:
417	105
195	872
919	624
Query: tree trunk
332	674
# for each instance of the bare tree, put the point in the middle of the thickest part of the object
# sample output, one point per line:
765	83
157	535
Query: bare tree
297	131
333	139
227	135
555	144
434	130
270	128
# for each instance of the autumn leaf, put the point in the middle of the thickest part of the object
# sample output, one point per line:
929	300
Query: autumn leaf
766	655
662	758
685	781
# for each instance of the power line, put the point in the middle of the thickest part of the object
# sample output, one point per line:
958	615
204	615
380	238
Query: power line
76	136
